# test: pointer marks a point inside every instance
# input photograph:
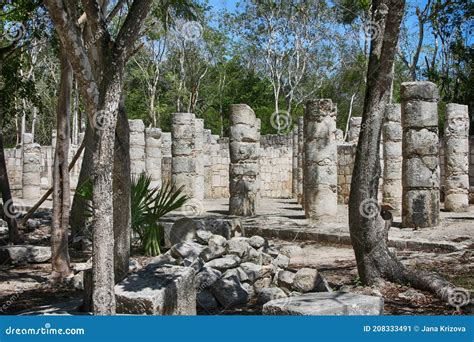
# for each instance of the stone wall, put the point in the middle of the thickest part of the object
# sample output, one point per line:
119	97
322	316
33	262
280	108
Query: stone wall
275	163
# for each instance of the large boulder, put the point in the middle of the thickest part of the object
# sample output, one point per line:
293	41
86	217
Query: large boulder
24	253
285	279
229	292
158	291
186	250
238	246
308	279
184	230
206	300
268	294
326	303
206	278
223	264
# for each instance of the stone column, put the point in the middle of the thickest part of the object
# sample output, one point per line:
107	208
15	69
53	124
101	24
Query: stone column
137	147
31	171
294	166
392	157
199	148
355	124
153	155
320	161
244	146
186	154
166	157
456	154
420	168
300	159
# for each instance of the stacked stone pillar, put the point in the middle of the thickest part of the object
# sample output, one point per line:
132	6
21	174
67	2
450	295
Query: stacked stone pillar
200	159
456	153
137	147
186	152
392	157
244	146
355	125
320	160
300	172
420	169
31	171
153	155
294	166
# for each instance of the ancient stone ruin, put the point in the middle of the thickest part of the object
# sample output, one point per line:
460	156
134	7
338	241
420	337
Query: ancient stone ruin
311	164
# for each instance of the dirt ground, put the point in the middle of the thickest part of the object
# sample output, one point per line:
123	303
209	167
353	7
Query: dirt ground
24	289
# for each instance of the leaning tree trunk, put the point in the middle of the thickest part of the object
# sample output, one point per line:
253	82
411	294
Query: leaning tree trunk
121	197
61	191
369	224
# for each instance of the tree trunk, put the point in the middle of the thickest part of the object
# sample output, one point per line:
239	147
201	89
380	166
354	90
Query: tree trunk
77	219
368	223
103	279
122	187
61	190
13	233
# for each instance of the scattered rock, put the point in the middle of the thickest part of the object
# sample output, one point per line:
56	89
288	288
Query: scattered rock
326	303
281	261
212	252
238	246
159	291
206	300
270	293
133	265
32	224
266	259
256	241
412	295
82	266
206	278
77	281
291	251
252	270
162	260
217	240
24	253
238	272
203	236
196	264
285	279
250	290
223	264
229	292
262	283
254	256
306	279
187	249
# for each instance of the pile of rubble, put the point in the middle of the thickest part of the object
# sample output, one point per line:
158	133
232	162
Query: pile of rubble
232	270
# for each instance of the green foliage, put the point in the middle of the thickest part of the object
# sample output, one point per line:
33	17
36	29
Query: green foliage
148	206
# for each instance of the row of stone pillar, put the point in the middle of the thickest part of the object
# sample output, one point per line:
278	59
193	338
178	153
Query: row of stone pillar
411	179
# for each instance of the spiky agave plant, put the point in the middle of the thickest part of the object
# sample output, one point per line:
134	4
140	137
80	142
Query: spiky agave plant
148	206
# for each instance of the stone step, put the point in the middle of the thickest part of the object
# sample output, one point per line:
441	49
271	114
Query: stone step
325	303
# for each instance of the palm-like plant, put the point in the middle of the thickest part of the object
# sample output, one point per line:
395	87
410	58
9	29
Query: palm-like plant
148	206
